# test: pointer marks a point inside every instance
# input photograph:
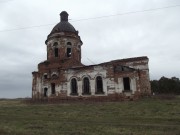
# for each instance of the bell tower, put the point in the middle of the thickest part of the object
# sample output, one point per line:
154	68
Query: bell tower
64	43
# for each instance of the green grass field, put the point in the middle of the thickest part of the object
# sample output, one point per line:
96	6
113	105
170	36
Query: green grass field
142	117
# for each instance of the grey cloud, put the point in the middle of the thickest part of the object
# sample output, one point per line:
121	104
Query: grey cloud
154	33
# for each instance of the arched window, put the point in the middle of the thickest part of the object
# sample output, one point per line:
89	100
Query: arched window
56	52
45	76
73	87
55	44
126	82
69	49
54	76
68	52
99	85
69	43
45	92
86	86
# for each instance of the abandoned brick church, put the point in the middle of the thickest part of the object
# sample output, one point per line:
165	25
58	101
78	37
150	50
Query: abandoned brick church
63	75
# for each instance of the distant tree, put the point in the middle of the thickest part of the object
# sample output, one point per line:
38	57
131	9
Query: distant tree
155	86
166	85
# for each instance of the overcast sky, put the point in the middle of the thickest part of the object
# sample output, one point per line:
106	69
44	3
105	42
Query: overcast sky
155	34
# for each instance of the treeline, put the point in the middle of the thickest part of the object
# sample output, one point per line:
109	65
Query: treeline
166	86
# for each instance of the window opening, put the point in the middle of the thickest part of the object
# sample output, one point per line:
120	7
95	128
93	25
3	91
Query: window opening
52	88
55	44
68	52
45	92
99	85
54	76
79	55
86	86
69	43
73	86
45	76
126	82
56	53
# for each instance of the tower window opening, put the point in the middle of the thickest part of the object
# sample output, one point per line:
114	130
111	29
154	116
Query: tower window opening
56	53
55	44
68	52
126	82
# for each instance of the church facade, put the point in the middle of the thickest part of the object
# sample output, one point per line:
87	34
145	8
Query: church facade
63	75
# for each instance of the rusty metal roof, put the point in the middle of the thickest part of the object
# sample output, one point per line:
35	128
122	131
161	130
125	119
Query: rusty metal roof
63	25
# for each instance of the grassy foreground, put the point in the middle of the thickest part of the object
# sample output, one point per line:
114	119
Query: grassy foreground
143	117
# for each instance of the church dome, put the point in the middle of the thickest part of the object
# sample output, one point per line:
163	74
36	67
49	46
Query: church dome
63	25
